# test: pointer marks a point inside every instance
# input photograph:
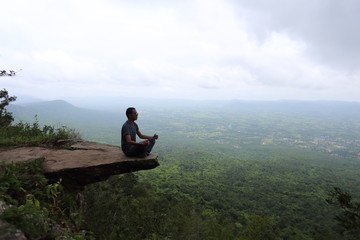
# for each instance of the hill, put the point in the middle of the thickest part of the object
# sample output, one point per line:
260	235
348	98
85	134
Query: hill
92	124
58	110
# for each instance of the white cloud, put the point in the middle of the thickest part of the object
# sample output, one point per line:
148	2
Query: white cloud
192	49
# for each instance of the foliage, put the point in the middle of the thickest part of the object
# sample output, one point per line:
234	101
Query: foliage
349	218
5	117
32	134
18	179
288	184
30	217
123	208
3	73
26	133
261	228
41	210
228	173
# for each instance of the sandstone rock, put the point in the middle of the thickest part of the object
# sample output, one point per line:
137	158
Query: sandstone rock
7	231
81	162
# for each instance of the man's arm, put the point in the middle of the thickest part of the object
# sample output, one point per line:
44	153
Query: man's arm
142	136
131	142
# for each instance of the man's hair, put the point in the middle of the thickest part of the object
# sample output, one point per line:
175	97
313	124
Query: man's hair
129	111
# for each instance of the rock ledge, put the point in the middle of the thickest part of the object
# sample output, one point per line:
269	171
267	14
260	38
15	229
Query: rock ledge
81	162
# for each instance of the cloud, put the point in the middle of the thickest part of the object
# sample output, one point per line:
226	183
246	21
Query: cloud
190	49
329	27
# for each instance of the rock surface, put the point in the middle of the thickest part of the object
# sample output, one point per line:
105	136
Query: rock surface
81	162
7	231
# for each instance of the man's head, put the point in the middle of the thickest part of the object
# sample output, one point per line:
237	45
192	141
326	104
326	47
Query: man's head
131	113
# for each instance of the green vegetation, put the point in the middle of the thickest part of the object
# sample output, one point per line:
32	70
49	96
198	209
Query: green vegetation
124	208
237	171
25	133
5	117
288	184
349	218
32	134
41	210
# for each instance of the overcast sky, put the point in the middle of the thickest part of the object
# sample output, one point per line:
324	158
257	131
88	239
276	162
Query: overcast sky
196	49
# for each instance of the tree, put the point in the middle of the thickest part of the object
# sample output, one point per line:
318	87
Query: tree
5	117
261	228
11	73
349	219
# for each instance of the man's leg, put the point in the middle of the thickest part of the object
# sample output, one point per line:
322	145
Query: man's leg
135	151
149	147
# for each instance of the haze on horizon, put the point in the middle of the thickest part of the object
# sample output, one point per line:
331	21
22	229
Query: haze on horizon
217	49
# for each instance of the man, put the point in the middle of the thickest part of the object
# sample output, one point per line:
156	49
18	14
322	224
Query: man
129	130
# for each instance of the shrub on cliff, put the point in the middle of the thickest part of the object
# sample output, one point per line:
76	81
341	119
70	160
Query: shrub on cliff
41	210
5	117
26	133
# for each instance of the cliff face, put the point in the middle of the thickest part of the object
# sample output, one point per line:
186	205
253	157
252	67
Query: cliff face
81	162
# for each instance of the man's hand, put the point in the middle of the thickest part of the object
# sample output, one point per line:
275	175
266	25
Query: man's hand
155	136
145	143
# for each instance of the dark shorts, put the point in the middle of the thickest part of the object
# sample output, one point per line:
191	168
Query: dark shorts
136	150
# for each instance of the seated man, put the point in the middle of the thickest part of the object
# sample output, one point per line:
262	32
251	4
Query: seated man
129	130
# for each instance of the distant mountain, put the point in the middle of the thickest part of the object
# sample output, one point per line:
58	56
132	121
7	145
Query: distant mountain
50	106
105	126
60	113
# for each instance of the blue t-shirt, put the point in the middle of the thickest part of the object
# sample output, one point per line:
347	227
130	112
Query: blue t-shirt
128	129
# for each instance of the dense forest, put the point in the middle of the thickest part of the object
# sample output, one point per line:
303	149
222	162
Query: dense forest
228	170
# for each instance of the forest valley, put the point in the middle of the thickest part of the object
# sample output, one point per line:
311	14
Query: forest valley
228	170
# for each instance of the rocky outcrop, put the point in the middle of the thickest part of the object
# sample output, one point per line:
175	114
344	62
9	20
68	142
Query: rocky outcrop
81	162
8	231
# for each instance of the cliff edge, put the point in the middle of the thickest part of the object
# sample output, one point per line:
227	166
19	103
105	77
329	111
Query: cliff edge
81	162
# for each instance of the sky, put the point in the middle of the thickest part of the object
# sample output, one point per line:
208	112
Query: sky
164	49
